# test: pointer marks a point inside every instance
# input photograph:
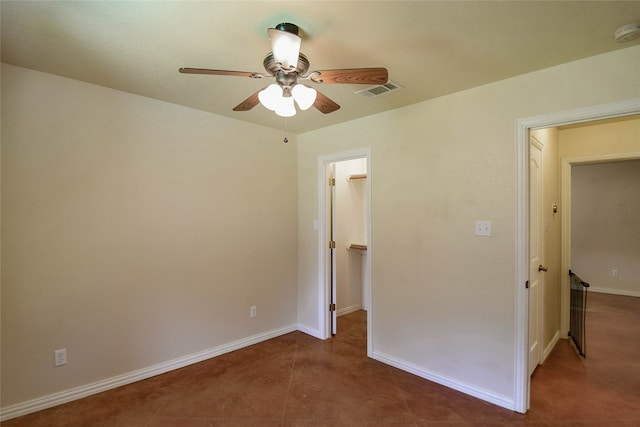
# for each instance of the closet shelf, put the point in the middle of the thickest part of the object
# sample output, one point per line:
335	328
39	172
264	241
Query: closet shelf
358	247
357	176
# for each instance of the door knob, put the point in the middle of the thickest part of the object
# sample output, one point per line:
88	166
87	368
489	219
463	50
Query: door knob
542	268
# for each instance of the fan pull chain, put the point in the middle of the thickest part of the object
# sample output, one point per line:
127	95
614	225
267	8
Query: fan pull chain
286	130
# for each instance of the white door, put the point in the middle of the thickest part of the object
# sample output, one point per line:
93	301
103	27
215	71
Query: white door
535	253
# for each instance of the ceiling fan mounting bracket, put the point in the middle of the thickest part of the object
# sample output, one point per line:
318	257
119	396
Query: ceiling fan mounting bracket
289	28
314	76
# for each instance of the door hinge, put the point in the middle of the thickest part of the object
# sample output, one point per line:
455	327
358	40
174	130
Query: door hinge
526	285
332	244
332	182
332	307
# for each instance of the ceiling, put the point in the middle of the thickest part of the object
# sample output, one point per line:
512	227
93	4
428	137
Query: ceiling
431	48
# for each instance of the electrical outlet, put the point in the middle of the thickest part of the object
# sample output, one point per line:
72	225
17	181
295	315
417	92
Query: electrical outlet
483	228
252	311
614	272
60	357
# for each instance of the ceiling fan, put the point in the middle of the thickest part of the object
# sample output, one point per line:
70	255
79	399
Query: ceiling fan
288	66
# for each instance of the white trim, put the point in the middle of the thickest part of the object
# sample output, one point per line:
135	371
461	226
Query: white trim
548	349
368	296
80	392
310	331
477	392
620	292
523	126
565	245
521	353
323	242
603	158
348	310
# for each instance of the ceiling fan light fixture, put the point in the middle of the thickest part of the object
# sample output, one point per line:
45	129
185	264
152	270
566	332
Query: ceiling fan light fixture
286	64
304	96
270	96
285	107
285	46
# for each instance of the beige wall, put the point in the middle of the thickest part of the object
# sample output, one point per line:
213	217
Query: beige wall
601	139
135	232
551	292
606	225
443	298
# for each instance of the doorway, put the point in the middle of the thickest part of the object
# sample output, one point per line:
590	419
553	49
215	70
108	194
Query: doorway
344	181
524	126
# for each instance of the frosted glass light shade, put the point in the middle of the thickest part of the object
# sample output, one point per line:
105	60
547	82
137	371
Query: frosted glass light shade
304	96
270	96
285	47
285	107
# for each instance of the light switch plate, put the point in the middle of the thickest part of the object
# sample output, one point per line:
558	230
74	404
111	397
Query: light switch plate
483	228
60	357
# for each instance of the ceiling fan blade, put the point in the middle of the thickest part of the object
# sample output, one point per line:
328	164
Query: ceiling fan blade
220	72
324	104
248	103
366	76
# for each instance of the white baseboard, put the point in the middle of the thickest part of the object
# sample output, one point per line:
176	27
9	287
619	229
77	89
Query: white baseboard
614	292
76	393
347	310
310	331
316	333
485	395
548	349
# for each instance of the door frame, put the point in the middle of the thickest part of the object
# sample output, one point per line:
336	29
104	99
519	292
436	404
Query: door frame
333	257
324	281
523	127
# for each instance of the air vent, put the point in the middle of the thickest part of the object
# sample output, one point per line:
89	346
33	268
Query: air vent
379	90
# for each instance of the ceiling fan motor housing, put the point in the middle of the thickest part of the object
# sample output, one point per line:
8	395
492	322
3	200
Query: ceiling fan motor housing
274	69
